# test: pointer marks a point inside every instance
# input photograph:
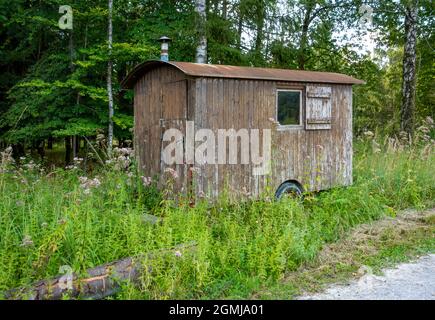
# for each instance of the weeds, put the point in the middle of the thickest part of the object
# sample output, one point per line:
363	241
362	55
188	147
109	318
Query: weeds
68	218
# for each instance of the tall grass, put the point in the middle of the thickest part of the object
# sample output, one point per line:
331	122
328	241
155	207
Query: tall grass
55	219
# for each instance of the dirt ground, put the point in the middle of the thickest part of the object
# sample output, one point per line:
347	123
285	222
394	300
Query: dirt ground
415	280
408	281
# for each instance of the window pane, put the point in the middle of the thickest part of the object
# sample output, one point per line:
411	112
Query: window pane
289	107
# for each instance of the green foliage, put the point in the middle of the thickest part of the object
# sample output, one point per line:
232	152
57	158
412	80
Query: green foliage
54	220
53	82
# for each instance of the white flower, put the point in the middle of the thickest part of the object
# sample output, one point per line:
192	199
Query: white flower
86	184
27	241
146	181
83	179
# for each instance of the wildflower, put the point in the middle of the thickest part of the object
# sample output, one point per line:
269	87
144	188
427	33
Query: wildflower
426	151
245	192
6	159
195	169
146	181
423	129
31	165
172	172
77	161
27	241
19	203
274	121
44	225
369	134
83	179
376	147
96	182
178	253
404	137
86	184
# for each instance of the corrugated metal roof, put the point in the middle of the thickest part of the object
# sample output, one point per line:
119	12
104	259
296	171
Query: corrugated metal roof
235	72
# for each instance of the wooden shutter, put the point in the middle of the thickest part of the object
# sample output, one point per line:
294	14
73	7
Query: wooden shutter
318	108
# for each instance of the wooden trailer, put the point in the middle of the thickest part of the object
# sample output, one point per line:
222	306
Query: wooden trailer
309	116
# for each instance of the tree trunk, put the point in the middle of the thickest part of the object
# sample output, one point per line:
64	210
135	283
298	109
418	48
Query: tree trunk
74	146
102	281
201	49
109	83
67	150
41	149
224	9
18	150
407	114
304	37
71	51
239	30
50	143
260	15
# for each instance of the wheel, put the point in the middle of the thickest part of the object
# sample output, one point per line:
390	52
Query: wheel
289	189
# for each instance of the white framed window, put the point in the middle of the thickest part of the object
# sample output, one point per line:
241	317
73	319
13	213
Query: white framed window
289	108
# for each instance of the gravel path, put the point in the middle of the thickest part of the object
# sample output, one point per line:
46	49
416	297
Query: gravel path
408	281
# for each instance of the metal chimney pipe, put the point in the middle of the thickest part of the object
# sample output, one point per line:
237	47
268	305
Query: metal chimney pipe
164	48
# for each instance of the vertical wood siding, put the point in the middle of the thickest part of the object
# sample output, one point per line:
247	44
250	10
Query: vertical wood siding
318	159
160	103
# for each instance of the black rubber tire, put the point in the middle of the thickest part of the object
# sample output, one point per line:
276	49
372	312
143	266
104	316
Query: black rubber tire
289	188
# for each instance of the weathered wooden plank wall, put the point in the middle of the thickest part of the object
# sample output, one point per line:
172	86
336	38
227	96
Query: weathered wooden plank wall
319	159
160	103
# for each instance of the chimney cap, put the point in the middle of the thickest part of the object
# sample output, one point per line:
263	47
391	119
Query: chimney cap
165	39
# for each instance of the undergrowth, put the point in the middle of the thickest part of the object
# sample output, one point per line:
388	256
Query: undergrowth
48	220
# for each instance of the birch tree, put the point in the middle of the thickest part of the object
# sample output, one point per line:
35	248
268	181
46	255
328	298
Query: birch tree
109	82
407	114
201	49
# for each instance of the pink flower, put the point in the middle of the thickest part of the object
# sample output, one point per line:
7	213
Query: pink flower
146	181
172	172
